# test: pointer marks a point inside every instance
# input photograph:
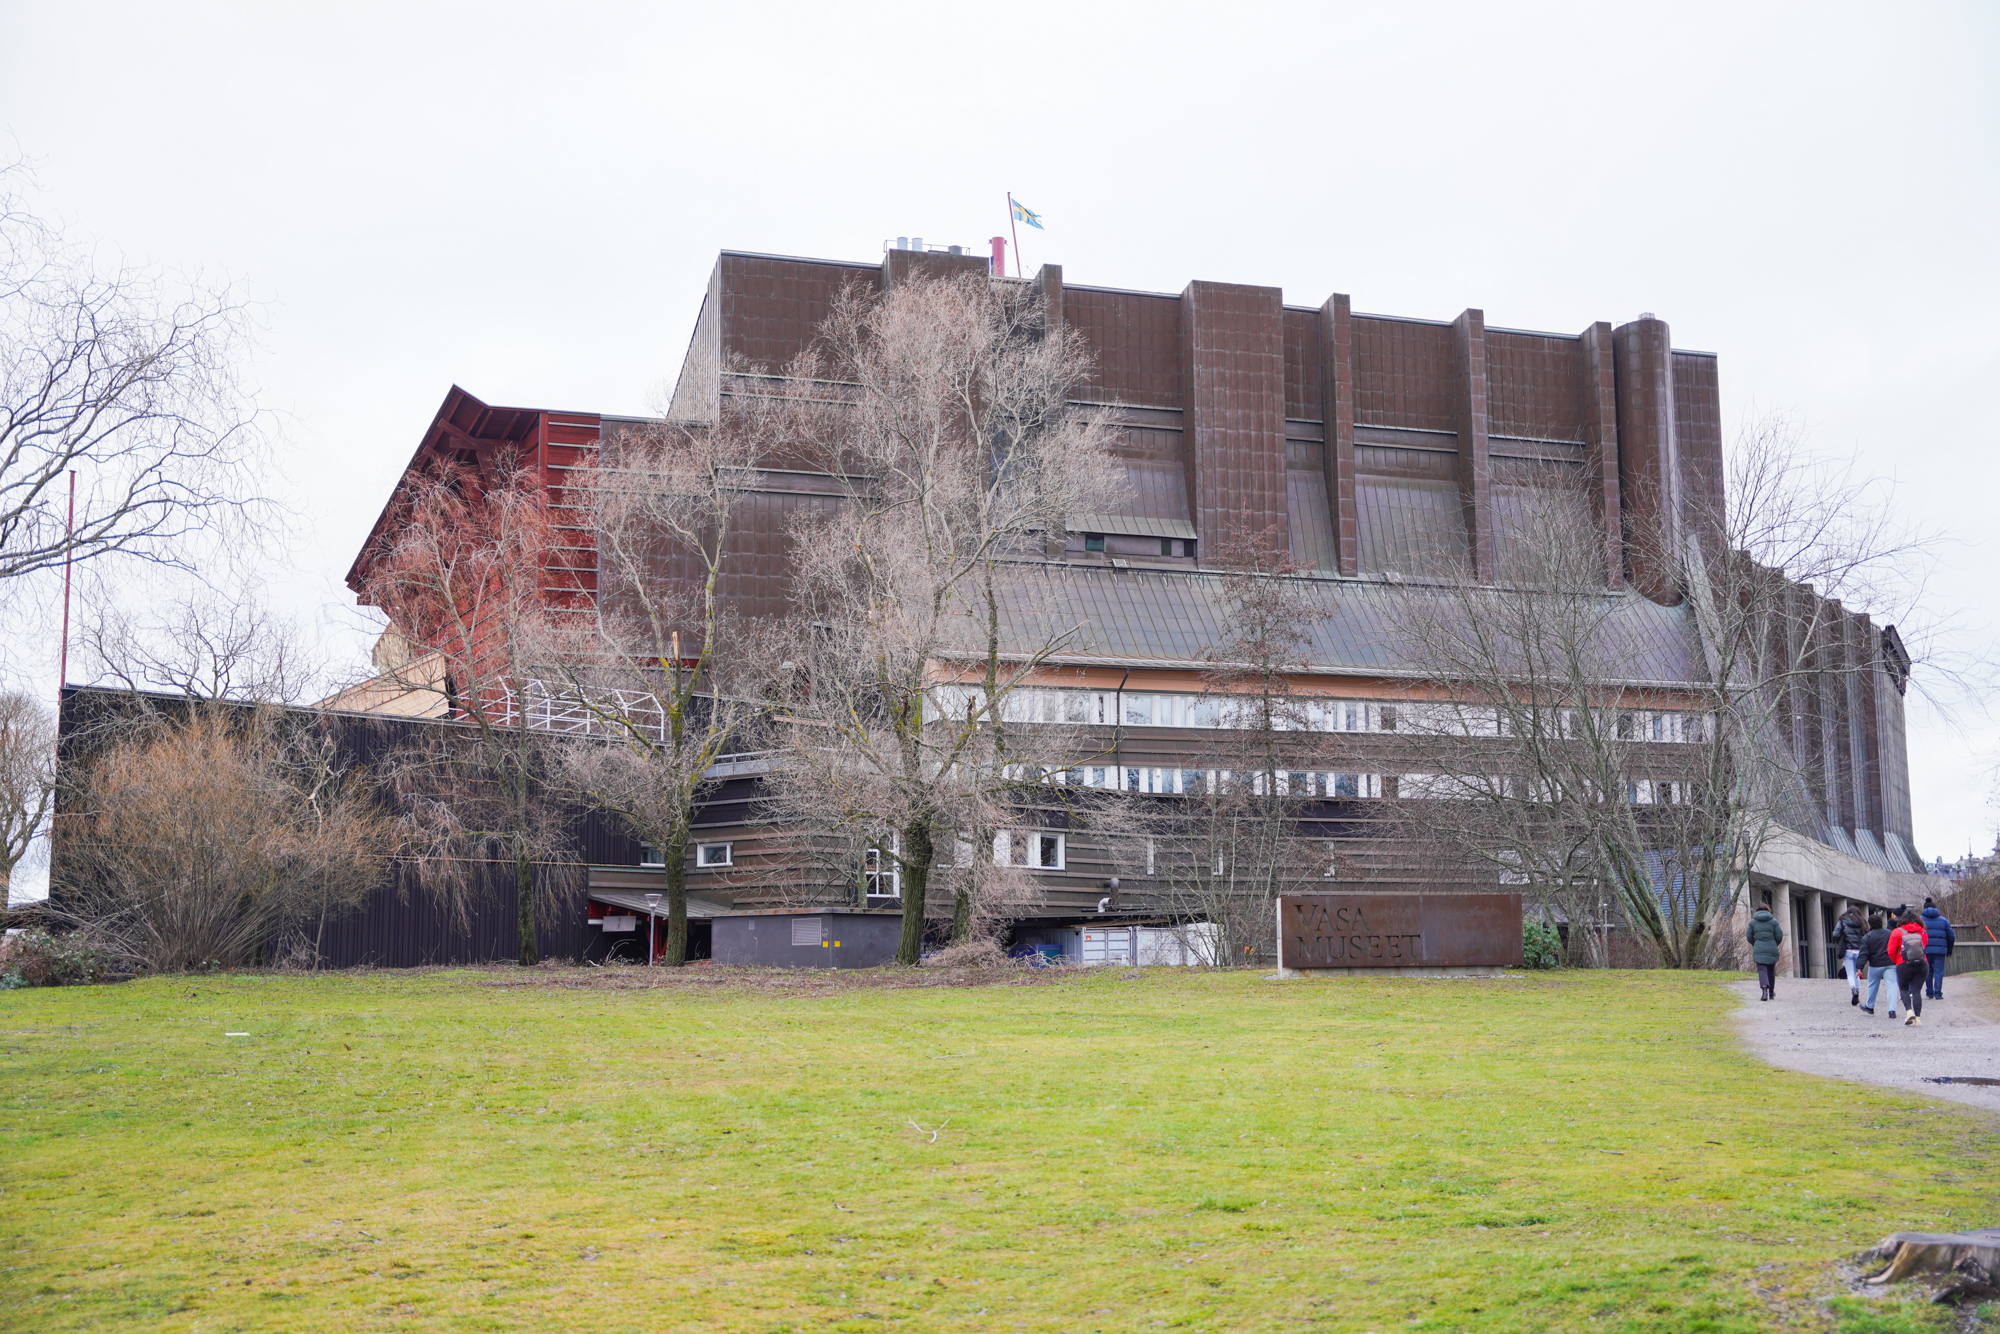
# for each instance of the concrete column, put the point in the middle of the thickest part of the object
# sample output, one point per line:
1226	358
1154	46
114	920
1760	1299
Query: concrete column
1474	470
1648	467
1599	411
1781	908
1816	934
1337	400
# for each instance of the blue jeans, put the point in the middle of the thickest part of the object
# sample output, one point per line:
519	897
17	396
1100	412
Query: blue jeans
1875	975
1934	984
1854	970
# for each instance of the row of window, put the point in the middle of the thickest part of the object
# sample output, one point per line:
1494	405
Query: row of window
1042	850
1197	782
1107	708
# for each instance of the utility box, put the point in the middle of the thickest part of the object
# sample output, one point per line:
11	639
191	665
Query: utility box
797	938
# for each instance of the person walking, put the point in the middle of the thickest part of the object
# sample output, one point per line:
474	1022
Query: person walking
1906	946
1939	939
1765	935
1849	929
1875	957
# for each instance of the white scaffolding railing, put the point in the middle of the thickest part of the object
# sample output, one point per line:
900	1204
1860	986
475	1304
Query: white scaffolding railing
570	711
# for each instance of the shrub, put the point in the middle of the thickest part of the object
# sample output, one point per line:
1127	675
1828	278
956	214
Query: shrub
1541	946
202	844
973	954
38	959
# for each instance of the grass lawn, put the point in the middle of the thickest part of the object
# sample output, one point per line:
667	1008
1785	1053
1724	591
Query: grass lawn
498	1149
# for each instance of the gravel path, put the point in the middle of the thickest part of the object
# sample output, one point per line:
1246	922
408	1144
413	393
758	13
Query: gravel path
1811	1027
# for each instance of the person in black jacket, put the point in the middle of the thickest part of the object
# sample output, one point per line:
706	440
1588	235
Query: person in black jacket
1849	929
1875	955
1939	940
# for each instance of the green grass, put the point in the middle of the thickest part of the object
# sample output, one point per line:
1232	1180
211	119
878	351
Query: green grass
1182	1151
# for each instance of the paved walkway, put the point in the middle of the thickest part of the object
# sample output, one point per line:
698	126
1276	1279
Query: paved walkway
1811	1027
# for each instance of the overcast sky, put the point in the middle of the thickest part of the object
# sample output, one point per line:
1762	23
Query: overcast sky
527	200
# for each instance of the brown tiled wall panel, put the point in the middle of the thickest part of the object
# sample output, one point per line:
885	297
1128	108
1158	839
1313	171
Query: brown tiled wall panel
1698	432
756	579
1311	518
1159	491
697	388
1303	371
1523	491
1149	444
771	308
1406	501
1135	339
1403	374
1534	386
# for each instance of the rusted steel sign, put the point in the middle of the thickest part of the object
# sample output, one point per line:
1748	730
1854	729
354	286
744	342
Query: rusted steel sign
1399	931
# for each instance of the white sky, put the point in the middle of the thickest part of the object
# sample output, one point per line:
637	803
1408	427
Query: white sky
527	200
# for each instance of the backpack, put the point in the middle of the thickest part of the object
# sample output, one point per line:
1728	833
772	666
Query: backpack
1913	945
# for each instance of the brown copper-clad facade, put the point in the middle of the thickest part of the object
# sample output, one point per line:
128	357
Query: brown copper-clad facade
1376	451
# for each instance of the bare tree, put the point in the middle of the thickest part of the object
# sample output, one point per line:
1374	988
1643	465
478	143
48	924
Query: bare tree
128	379
203	842
201	646
957	448
27	778
665	681
1244	829
1587	744
468	569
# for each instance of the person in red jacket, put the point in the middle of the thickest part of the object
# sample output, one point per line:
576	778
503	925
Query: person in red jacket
1906	947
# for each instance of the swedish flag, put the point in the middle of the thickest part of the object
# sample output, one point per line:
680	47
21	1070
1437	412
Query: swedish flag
1027	215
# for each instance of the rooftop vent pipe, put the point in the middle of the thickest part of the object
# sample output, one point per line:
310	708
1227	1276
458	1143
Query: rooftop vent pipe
998	264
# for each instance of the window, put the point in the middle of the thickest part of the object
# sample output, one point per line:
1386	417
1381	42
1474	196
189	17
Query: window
1346	785
881	877
1138	710
1387	714
651	856
714	854
1093	541
1166	546
1030	848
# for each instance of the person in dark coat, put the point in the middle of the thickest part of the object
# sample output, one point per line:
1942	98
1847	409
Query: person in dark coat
1939	939
1849	929
1765	935
1875	957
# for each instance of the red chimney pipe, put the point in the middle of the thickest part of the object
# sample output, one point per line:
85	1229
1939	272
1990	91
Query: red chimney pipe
998	265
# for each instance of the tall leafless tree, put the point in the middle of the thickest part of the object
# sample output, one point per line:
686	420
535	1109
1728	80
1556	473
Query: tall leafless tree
665	680
1588	744
957	447
131	380
469	569
1243	831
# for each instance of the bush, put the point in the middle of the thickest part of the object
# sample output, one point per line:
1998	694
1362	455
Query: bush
973	954
38	959
1541	946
